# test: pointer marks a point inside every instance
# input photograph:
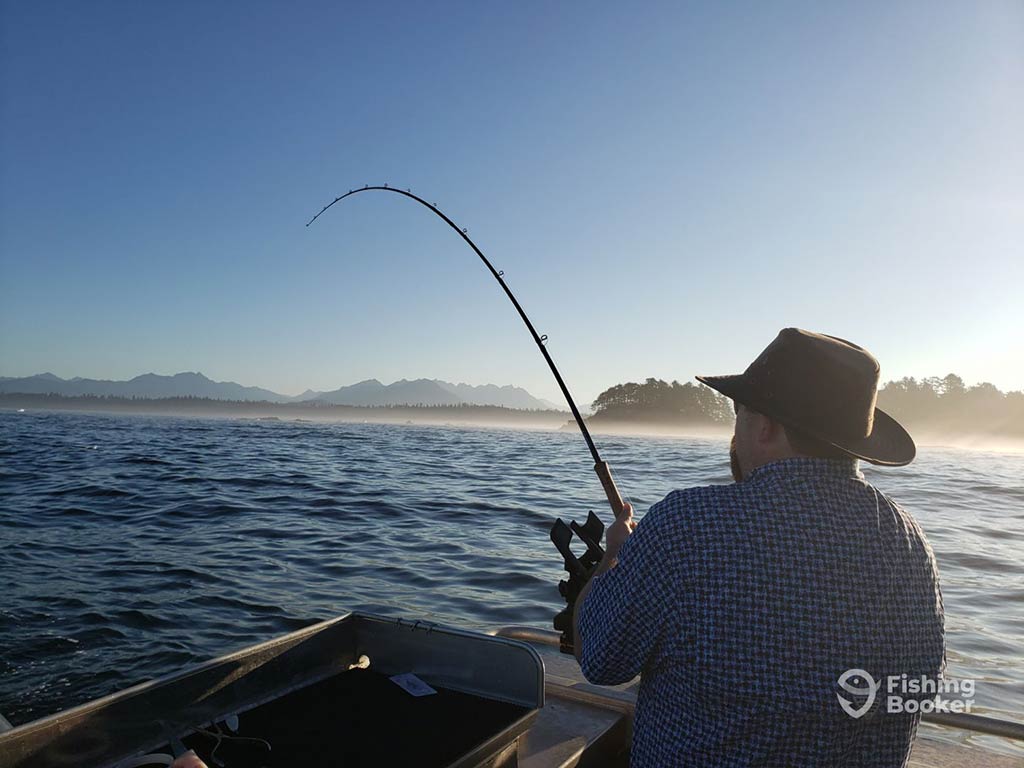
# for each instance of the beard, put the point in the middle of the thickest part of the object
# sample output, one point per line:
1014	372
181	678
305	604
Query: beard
734	462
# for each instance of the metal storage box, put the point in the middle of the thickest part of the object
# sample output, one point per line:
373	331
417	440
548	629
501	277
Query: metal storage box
306	696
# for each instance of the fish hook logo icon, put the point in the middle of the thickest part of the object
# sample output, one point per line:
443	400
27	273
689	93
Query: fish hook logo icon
847	681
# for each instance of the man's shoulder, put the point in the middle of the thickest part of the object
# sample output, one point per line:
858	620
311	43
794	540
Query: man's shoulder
699	496
687	506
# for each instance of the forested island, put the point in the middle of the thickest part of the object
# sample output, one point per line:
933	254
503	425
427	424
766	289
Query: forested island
938	408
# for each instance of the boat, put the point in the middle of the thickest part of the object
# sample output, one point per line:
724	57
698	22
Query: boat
364	690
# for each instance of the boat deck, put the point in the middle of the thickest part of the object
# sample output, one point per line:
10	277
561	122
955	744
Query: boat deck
589	725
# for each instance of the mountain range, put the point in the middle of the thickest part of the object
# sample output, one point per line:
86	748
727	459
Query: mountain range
365	393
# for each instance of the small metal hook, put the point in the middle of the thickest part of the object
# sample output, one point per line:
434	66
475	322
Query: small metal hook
465	231
543	338
501	272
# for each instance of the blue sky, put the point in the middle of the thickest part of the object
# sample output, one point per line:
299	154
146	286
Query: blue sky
665	186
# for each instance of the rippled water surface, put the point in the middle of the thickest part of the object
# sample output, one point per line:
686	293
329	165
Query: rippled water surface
135	545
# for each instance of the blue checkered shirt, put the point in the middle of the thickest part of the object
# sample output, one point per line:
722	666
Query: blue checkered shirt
740	606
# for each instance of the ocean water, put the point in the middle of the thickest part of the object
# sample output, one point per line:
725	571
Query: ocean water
134	545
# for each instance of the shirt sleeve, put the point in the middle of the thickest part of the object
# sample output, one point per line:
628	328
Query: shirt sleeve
627	607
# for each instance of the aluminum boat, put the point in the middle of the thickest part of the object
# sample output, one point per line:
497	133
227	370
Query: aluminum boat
362	690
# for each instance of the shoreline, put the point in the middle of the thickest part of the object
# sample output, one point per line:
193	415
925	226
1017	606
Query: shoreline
460	416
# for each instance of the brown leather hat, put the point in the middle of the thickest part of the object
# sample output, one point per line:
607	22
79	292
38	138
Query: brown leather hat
825	387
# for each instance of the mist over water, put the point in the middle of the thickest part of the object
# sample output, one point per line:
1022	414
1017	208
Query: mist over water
134	545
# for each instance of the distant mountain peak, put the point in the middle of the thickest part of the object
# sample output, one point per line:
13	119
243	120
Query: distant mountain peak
148	386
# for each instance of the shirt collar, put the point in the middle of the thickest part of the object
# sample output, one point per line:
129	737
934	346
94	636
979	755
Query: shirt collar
804	466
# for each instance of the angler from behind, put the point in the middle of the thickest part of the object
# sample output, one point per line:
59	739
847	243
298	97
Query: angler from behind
760	614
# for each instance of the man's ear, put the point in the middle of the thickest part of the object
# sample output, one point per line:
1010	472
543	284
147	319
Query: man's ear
768	430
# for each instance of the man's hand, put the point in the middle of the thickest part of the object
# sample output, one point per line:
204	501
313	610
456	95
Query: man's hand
614	537
188	760
618	532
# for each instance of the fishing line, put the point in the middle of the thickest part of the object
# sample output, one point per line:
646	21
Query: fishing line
600	467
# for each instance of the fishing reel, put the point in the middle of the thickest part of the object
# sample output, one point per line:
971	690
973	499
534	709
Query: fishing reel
580	569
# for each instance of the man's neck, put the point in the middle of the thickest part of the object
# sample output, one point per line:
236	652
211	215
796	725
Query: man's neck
778	455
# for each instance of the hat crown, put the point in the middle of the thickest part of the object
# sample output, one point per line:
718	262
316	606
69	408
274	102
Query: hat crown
821	384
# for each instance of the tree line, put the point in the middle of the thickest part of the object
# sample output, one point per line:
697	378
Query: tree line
191	405
947	405
934	404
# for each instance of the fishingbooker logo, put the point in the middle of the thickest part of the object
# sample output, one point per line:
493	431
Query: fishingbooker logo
904	694
863	686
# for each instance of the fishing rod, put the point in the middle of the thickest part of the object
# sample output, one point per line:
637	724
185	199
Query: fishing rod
600	466
580	568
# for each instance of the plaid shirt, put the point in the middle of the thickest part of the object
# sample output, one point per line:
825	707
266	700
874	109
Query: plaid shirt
741	605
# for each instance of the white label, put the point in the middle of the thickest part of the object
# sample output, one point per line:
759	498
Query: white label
412	684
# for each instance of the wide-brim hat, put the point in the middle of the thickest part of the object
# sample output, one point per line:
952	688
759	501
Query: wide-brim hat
827	388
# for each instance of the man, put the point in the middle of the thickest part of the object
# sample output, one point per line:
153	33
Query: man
751	610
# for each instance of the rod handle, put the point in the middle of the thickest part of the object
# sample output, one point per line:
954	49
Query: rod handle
611	491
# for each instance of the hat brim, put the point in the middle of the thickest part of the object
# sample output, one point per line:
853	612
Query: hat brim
889	444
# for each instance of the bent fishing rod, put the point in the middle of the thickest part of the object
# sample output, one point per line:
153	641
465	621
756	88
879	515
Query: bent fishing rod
600	466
